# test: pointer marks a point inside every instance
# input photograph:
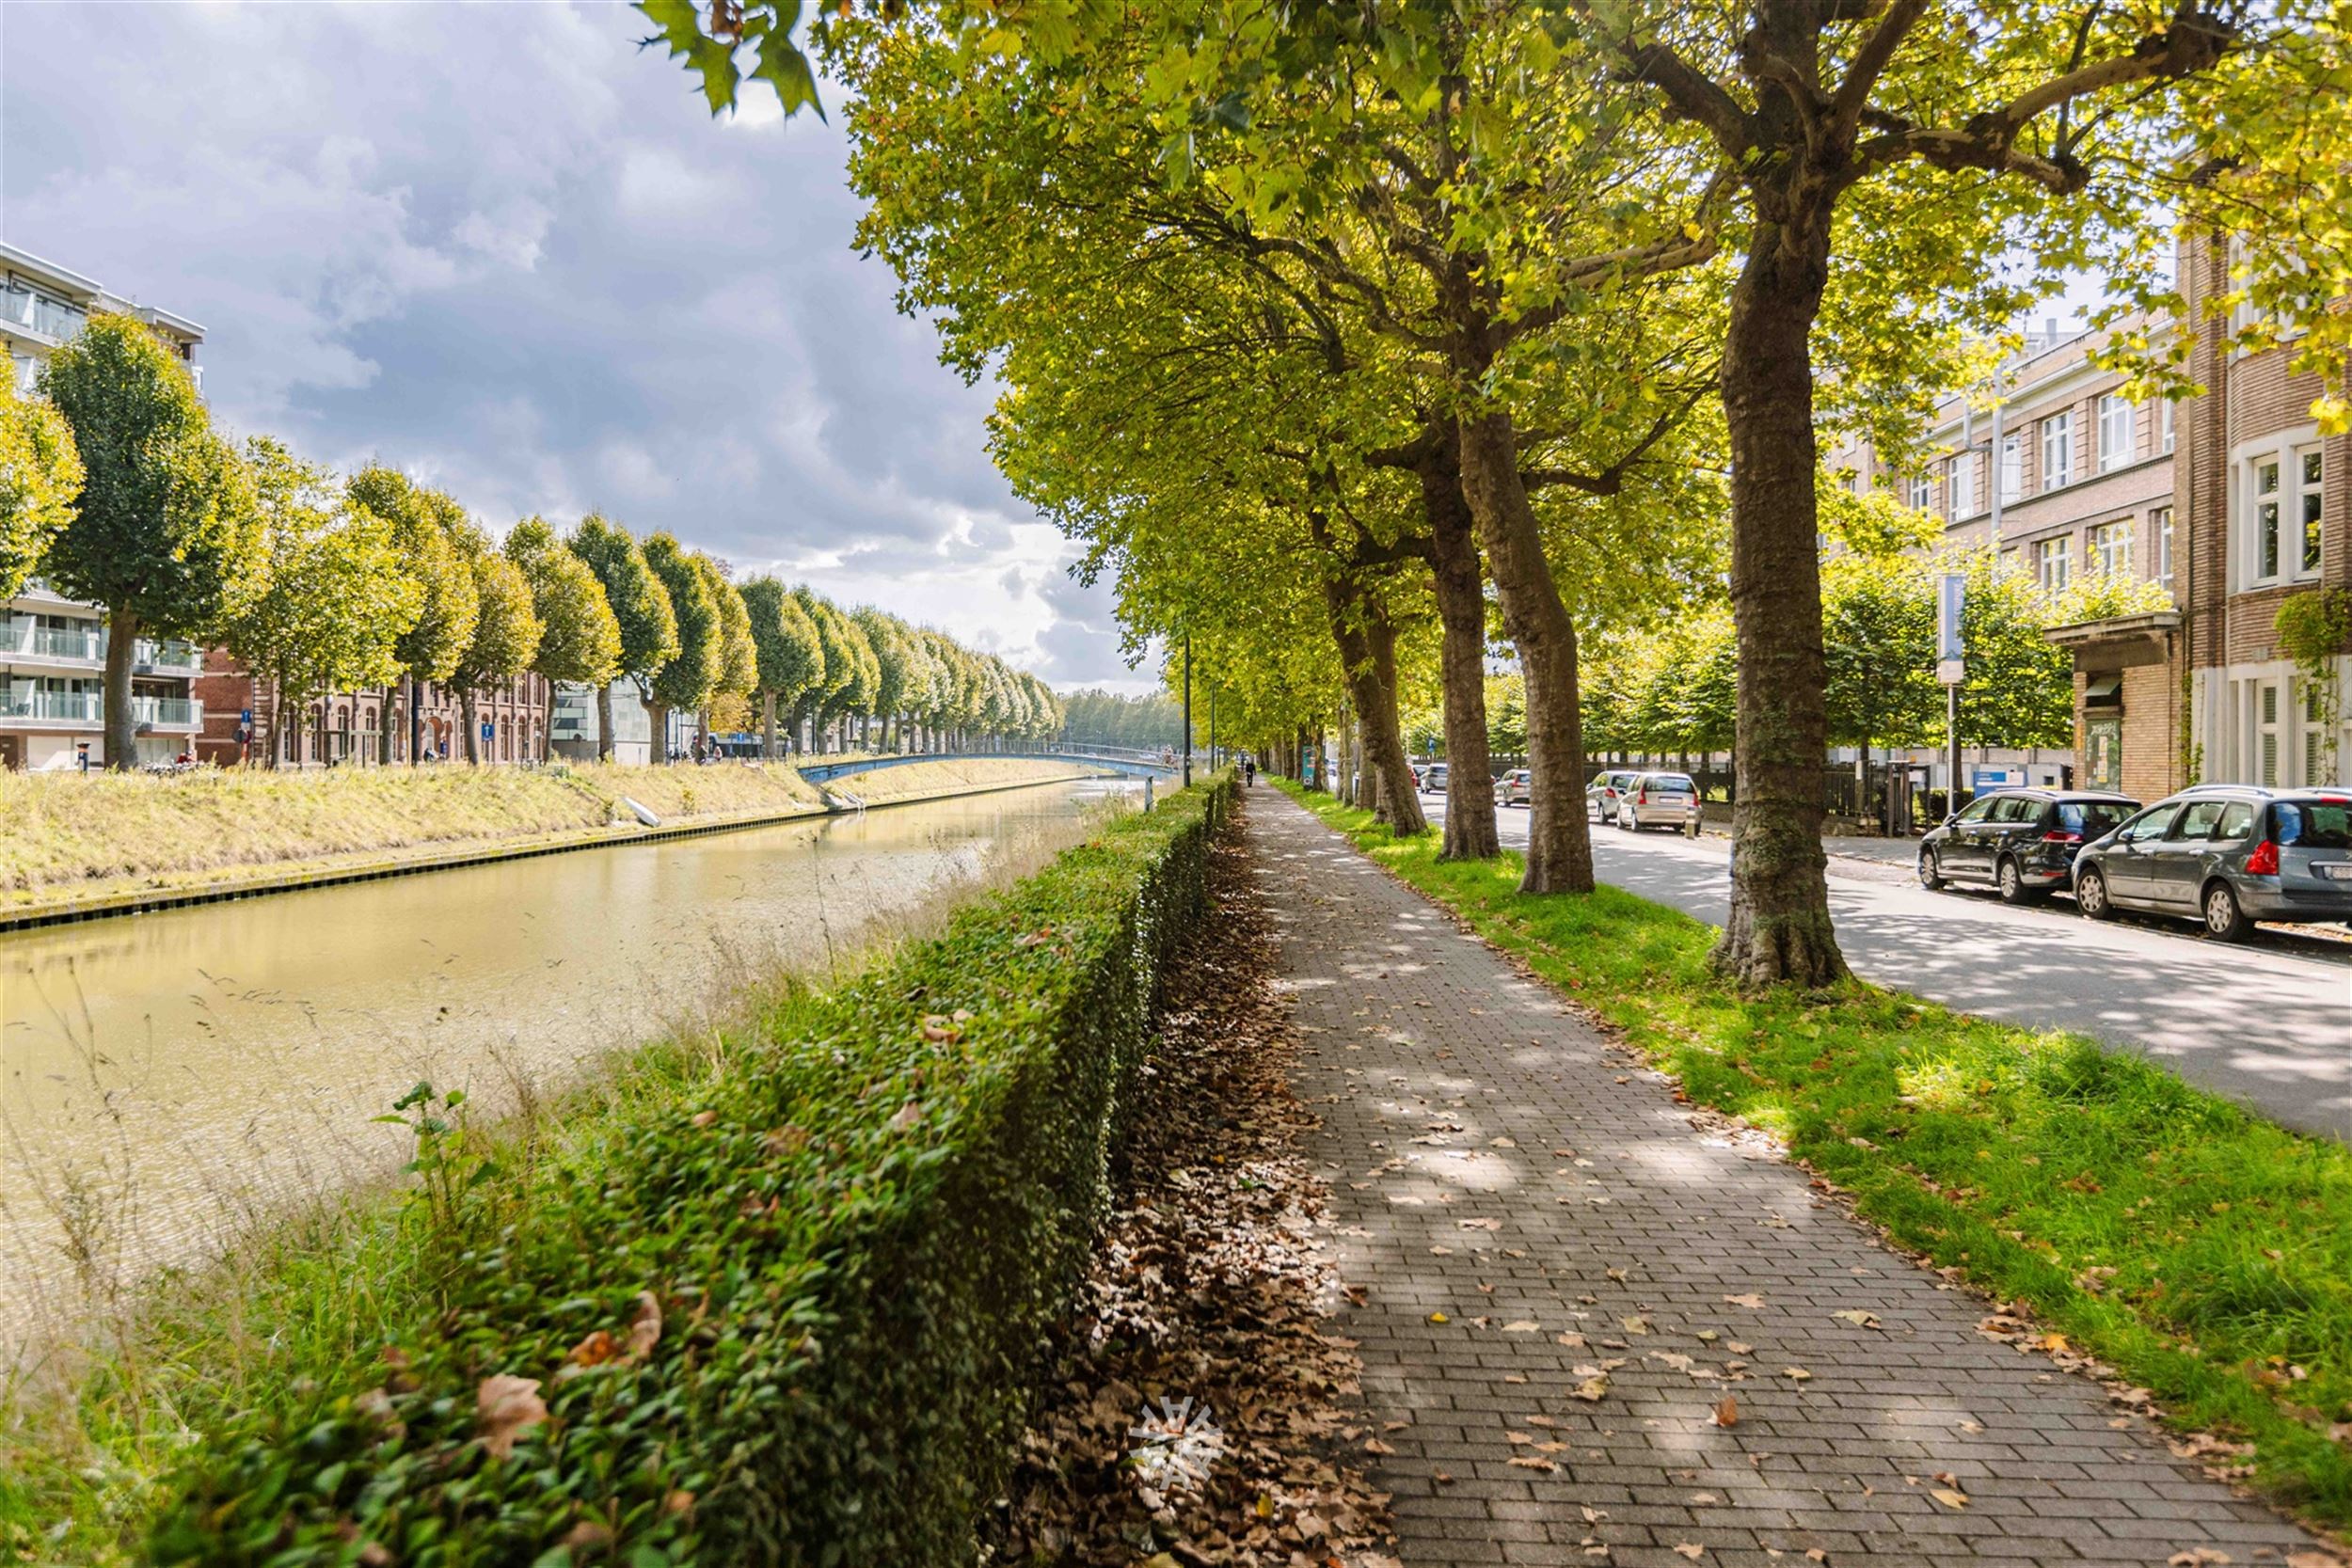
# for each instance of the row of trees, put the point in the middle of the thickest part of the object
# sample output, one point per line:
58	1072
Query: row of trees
1314	330
114	485
1099	717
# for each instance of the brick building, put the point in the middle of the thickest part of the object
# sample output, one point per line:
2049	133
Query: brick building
346	726
2204	693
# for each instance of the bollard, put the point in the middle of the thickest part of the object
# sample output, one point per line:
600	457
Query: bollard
1147	792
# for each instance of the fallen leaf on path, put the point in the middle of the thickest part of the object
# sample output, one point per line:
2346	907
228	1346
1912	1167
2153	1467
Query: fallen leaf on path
1752	1300
1726	1412
1859	1318
1691	1551
1592	1389
1949	1497
1797	1372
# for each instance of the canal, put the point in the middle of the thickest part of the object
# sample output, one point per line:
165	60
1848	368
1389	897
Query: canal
169	1081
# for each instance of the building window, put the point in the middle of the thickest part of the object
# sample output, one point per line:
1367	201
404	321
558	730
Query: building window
2111	548
2163	520
2010	562
2057	450
2307	499
2115	433
2280	500
2266	734
1964	485
2164	421
2013	469
1922	494
2054	563
2312	750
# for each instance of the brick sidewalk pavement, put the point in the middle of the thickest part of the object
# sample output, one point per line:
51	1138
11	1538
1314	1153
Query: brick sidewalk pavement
1492	1161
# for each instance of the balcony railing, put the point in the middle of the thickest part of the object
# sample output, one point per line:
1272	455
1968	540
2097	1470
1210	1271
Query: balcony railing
26	639
23	637
23	307
90	707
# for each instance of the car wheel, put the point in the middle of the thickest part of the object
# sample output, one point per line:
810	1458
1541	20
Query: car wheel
1931	871
1592	811
1626	820
2012	878
2224	920
2091	895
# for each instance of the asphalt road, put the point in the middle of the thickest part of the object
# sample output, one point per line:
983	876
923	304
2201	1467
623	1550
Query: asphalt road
2268	1023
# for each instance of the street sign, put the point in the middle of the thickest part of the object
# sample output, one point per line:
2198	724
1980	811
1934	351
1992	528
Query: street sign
1951	654
244	716
488	730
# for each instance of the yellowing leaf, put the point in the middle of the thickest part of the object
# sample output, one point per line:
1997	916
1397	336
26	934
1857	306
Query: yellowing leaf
1949	1497
507	1406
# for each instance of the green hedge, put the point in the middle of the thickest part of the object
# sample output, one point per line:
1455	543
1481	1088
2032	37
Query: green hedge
857	1236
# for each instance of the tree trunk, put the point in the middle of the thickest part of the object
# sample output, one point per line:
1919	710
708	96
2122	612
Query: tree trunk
546	726
660	714
384	725
466	710
767	725
1779	927
1373	743
604	723
1469	815
1559	849
121	732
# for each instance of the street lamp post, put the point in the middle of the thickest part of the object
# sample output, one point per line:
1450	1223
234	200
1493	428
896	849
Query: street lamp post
1187	710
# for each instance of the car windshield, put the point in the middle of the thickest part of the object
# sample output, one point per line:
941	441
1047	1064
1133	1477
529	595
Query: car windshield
2314	824
2092	818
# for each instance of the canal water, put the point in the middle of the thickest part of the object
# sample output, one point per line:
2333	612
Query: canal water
169	1080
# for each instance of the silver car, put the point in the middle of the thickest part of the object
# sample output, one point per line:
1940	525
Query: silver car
2227	855
1600	796
1659	800
1516	788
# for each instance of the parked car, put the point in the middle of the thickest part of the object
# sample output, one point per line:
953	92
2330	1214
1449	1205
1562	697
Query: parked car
2022	842
1659	800
1434	780
2227	855
1600	796
1516	788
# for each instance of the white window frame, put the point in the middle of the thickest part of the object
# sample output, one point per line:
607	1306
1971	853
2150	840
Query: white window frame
2270	753
1922	492
1961	484
2276	460
2058	552
2057	450
2109	548
2115	432
2165	410
2160	522
2012	470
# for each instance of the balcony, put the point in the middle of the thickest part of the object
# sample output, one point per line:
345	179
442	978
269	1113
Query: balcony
29	311
89	708
25	639
168	657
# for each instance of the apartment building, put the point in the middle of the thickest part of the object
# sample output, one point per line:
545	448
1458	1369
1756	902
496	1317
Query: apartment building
2267	502
243	722
52	649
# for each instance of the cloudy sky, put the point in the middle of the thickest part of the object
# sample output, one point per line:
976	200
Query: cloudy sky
498	246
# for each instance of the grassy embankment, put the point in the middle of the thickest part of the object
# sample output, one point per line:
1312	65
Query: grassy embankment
773	1293
2202	1252
66	839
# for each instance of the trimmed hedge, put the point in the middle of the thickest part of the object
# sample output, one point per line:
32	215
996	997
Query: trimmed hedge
790	1315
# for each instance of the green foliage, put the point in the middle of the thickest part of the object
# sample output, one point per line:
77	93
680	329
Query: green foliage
1102	718
434	537
2197	1248
339	600
790	655
506	628
638	601
2314	628
580	638
41	477
690	678
166	524
783	1310
739	652
1506	717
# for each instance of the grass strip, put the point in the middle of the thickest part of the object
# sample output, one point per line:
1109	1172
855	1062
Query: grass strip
2203	1253
776	1296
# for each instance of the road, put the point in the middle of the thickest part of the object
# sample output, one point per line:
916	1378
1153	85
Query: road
2267	1025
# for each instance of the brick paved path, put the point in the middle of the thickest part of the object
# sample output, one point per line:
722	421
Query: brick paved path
1491	1160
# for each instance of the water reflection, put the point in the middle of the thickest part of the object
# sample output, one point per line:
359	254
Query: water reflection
165	1078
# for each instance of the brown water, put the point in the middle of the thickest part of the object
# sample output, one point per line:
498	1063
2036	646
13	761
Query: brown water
168	1080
